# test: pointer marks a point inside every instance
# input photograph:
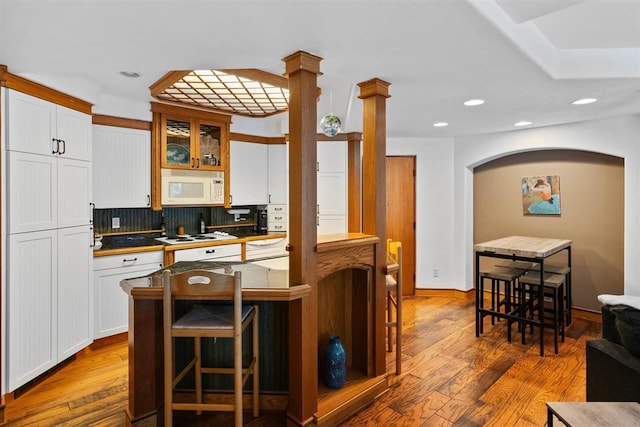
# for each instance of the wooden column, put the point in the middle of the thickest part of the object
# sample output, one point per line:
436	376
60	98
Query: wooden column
354	166
302	69
374	94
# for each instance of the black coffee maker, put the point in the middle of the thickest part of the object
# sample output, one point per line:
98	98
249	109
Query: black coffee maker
262	221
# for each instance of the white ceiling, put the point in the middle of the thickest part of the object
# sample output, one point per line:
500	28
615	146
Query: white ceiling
527	58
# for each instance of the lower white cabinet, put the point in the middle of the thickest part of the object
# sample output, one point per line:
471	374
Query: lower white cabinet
265	247
231	252
111	303
49	294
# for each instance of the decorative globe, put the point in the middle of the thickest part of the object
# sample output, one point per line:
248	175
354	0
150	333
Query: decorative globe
330	125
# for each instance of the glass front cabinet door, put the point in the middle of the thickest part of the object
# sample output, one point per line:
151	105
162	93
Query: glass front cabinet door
194	143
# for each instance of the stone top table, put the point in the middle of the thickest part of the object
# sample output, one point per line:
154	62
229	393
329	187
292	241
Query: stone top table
589	414
521	248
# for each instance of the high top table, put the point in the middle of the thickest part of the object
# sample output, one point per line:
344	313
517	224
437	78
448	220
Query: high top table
520	248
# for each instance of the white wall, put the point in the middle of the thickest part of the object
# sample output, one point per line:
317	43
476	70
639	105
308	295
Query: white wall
434	204
619	136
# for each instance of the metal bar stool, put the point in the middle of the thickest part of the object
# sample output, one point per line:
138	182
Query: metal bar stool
564	270
553	291
508	277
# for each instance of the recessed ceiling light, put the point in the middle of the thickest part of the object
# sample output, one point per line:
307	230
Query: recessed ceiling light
440	124
522	123
474	102
584	101
131	74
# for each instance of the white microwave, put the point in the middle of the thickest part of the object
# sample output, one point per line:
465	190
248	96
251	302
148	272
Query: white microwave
186	187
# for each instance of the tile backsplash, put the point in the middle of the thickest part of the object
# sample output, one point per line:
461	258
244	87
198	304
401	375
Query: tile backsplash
139	219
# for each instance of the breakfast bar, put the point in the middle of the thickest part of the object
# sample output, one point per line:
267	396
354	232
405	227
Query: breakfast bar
345	264
520	248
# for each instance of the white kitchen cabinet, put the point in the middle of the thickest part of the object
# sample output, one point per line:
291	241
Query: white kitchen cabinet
40	127
232	252
332	187
249	173
75	293
111	303
277	218
45	192
332	156
121	167
332	194
49	294
265	248
277	170
332	224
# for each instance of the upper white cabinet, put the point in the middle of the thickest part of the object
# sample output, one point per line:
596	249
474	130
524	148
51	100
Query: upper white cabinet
332	156
45	192
249	167
40	127
49	171
332	187
121	167
277	171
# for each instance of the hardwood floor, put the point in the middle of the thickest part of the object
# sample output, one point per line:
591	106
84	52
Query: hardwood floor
450	378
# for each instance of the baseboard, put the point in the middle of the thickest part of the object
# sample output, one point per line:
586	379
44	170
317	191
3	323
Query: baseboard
446	293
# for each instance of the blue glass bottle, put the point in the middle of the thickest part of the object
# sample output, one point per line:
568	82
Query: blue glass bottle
335	363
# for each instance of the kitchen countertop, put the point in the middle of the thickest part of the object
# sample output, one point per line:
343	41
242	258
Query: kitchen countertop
149	244
265	279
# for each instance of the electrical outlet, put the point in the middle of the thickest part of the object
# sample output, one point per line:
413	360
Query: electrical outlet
115	222
436	273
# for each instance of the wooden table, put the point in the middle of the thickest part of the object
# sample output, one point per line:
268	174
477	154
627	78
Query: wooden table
520	248
594	414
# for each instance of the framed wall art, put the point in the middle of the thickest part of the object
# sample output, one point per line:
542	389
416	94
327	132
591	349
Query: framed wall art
541	195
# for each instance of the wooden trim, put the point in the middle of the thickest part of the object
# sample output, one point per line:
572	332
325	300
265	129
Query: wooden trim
374	202
38	90
243	137
302	60
302	71
339	137
99	119
166	81
586	314
2	349
259	76
192	113
446	293
354	181
156	160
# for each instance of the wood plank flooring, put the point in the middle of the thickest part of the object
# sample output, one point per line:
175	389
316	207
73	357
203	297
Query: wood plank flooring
450	378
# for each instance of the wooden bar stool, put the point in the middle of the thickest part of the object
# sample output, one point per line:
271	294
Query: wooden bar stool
553	292
207	320
394	285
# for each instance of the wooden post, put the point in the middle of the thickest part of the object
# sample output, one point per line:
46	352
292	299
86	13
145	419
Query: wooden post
302	69
374	94
354	180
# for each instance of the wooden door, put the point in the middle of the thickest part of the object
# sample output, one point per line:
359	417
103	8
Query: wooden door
401	214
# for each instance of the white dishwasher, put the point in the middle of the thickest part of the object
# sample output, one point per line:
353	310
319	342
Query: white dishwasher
231	252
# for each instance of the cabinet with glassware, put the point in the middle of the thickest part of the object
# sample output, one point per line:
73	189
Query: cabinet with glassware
186	139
